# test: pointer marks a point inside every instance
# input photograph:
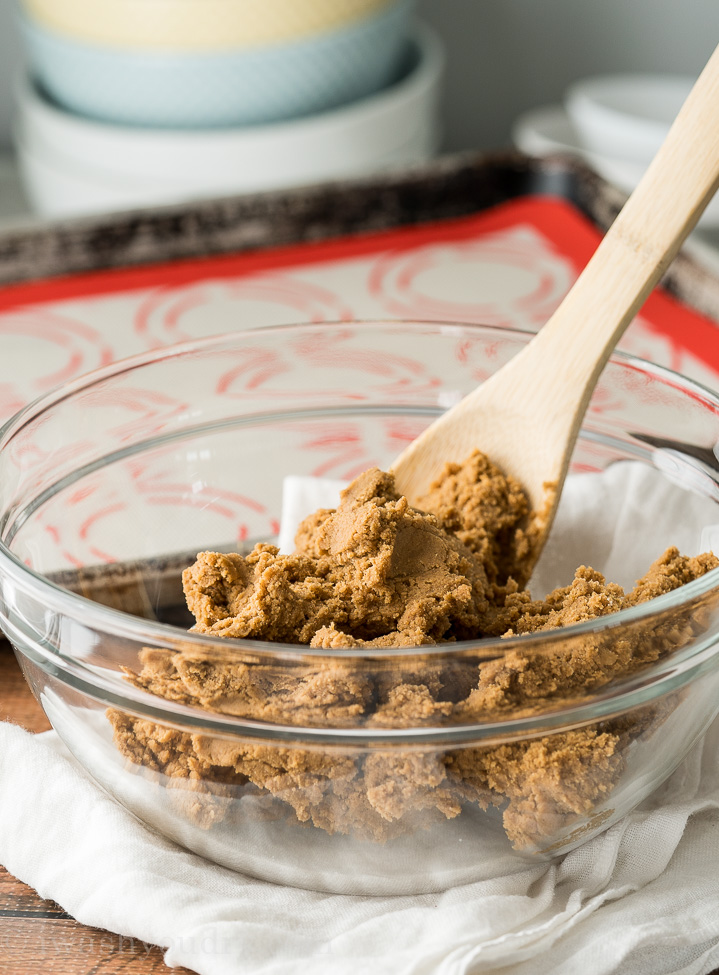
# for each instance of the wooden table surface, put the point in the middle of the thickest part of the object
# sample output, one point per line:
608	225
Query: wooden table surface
36	935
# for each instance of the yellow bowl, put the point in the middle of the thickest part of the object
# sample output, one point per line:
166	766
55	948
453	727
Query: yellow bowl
197	25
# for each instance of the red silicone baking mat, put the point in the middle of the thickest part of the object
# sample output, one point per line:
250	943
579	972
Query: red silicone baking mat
509	265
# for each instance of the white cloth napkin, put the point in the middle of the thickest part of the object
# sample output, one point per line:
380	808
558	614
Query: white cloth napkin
641	898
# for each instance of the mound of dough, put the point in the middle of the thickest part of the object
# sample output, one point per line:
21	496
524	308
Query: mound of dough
377	572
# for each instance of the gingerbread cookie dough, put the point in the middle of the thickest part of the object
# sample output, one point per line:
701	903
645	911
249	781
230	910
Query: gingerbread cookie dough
377	572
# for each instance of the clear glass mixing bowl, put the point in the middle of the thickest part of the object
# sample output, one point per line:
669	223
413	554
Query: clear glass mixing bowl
279	761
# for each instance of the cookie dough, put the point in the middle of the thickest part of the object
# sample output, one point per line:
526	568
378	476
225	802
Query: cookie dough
377	572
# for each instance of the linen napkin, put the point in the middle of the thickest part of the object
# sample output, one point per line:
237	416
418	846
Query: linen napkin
643	897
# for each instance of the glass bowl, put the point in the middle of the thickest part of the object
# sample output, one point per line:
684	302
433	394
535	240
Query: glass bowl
285	762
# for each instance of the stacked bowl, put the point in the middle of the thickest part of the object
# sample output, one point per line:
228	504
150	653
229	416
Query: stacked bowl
615	123
128	103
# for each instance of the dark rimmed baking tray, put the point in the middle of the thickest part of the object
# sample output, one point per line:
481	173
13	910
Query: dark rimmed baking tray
451	186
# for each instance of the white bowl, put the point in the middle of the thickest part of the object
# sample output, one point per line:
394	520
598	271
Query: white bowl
626	116
58	188
547	130
340	143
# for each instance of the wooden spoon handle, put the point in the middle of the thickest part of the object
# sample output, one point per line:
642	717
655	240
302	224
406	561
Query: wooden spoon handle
526	417
639	245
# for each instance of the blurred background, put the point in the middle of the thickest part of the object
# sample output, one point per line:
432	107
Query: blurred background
361	88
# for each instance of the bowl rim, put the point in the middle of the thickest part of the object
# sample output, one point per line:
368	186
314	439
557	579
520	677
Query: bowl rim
97	616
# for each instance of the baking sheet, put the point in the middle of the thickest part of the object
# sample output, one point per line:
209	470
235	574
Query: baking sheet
492	239
530	227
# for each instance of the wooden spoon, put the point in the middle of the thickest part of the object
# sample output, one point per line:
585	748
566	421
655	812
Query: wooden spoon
527	416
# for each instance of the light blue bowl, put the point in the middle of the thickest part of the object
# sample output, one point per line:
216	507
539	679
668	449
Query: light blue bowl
253	85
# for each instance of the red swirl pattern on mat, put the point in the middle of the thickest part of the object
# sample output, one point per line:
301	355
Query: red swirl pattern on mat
508	278
41	348
127	412
135	411
640	340
259	373
179	314
87	524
